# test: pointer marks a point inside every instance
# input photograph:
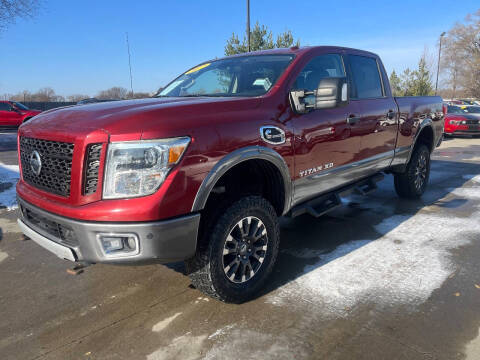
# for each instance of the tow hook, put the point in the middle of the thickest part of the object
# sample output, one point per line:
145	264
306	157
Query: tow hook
77	269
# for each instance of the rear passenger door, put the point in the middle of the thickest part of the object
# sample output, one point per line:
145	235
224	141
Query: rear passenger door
377	126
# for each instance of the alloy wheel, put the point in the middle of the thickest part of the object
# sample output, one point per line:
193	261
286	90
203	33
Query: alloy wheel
245	249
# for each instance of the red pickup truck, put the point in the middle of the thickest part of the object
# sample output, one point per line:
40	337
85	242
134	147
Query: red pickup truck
202	172
13	114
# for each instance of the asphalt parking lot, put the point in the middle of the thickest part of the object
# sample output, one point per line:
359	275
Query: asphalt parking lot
379	278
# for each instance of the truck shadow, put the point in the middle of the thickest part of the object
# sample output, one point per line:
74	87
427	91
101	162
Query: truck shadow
308	243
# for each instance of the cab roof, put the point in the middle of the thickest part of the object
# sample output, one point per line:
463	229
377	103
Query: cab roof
299	50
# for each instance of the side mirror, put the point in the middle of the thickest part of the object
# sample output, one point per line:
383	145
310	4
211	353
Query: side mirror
331	93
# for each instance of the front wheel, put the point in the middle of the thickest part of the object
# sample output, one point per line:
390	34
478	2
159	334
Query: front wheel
412	183
241	250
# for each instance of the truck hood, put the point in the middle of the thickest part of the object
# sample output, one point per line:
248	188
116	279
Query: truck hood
129	119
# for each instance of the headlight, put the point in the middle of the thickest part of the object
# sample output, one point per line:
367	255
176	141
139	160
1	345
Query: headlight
138	168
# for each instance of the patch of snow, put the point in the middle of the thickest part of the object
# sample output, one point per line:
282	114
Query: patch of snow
249	344
164	323
221	331
9	174
408	261
466	192
473	348
3	256
186	347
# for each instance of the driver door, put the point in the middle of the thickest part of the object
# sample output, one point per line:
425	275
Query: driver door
8	116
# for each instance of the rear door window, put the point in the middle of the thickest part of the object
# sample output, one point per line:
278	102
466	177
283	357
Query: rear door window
5	106
366	77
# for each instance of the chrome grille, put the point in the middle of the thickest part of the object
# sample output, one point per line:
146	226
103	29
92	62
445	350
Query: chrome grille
92	164
56	158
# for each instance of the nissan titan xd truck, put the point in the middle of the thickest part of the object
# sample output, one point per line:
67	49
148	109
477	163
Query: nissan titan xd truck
202	171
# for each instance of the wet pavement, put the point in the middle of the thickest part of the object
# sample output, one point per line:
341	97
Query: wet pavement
379	278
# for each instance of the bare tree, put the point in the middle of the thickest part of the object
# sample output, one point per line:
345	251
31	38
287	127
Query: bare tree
10	10
116	93
45	94
23	96
138	95
462	56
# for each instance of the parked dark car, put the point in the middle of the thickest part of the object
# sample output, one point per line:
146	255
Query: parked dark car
93	100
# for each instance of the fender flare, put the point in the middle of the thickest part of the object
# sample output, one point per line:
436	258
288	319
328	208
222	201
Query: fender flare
423	125
236	157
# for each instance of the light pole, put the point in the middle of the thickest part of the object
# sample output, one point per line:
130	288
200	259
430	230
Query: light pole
129	65
438	65
248	25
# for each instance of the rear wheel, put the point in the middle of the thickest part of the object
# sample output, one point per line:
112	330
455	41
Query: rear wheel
412	183
240	251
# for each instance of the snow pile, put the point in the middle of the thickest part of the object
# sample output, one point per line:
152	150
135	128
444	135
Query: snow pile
408	261
9	175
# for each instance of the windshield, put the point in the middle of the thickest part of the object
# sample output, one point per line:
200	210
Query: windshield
463	109
473	109
238	76
20	106
454	110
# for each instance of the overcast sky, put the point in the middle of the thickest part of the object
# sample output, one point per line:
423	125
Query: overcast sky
80	48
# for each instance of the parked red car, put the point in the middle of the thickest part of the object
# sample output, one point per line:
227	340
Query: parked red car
462	120
13	114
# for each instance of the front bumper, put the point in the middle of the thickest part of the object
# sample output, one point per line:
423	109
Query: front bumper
161	241
464	132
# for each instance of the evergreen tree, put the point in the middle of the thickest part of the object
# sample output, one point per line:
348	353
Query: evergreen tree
396	84
260	39
423	79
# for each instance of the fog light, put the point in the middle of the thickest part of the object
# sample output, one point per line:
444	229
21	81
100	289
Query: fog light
112	244
118	245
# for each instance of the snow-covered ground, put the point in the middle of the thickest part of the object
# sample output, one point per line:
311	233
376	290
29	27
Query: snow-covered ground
9	175
404	265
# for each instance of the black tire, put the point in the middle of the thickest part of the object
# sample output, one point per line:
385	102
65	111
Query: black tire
412	183
208	269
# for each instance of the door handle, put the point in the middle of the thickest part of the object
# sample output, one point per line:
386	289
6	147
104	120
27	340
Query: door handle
391	114
352	119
